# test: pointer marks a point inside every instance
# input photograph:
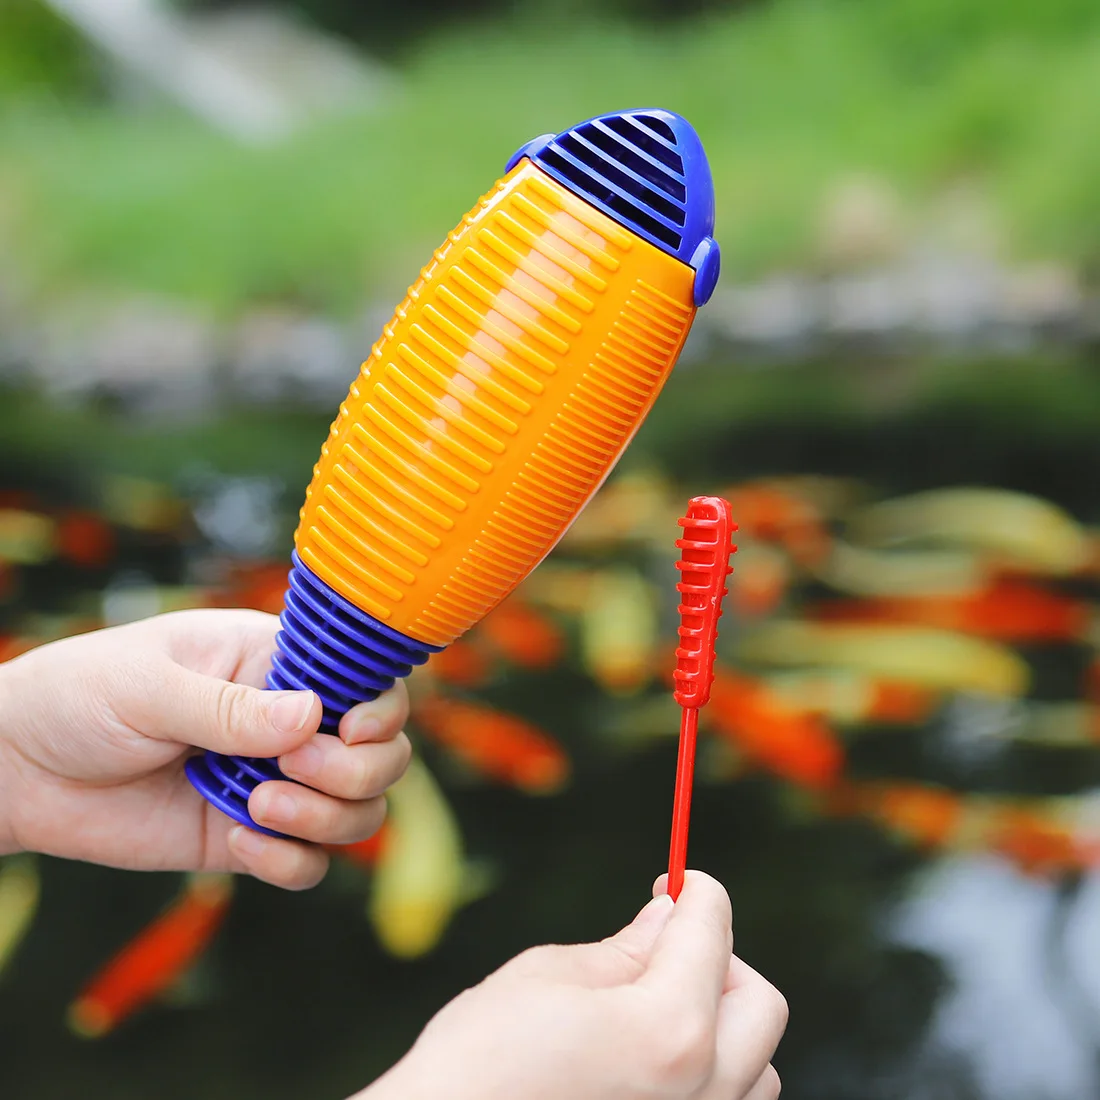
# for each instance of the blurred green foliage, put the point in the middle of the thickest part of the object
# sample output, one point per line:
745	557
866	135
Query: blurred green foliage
792	98
40	52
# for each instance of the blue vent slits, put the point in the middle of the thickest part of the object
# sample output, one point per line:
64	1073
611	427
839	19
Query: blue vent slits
647	170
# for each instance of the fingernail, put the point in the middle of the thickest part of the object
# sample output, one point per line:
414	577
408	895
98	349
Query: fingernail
654	916
247	842
361	728
304	761
290	710
280	807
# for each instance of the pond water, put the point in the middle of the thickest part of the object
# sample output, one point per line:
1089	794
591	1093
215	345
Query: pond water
946	972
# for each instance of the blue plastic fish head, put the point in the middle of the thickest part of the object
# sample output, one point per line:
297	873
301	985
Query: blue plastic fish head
647	170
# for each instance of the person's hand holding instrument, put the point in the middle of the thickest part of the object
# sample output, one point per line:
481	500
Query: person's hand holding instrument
497	400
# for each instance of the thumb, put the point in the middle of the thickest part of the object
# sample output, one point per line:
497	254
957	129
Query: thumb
193	709
638	937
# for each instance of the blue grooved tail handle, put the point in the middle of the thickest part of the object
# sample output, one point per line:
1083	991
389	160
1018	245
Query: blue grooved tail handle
328	646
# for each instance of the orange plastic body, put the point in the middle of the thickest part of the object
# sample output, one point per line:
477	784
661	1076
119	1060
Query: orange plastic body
499	397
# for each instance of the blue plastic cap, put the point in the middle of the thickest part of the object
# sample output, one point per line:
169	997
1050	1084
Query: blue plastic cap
647	170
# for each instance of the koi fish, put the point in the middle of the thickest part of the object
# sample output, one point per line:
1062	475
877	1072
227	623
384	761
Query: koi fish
462	664
930	572
935	659
26	538
1034	834
12	646
760	581
363	853
1014	529
522	635
1039	844
20	890
634	507
495	744
154	959
849	698
142	505
421	878
770	733
619	631
1007	610
768	511
562	588
84	539
927	816
260	586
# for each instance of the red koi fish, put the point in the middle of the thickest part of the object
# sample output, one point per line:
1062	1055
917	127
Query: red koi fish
84	539
498	745
154	959
768	512
929	817
1039	844
364	853
260	586
1008	611
462	664
522	635
792	743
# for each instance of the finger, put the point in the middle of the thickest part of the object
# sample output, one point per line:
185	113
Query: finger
191	708
354	772
229	643
636	940
279	862
751	1021
380	719
617	960
303	812
690	959
767	1087
660	885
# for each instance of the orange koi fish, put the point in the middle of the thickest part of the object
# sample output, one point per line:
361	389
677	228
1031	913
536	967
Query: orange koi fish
760	581
1040	844
522	635
84	539
154	959
501	746
462	664
930	817
1008	611
791	743
769	511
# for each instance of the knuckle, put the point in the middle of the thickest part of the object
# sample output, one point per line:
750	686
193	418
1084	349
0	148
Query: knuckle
405	752
230	708
770	1086
778	1007
683	1050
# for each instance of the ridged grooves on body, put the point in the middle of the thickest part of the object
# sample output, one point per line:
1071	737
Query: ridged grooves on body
499	396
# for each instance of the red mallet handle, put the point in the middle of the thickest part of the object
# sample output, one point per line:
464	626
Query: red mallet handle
704	565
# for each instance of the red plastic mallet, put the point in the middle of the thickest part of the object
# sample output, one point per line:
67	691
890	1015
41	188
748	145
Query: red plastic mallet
704	565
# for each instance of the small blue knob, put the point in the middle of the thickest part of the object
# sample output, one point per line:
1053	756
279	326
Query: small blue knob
707	261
